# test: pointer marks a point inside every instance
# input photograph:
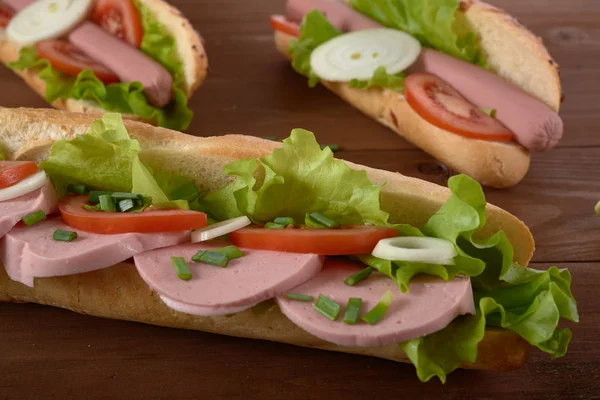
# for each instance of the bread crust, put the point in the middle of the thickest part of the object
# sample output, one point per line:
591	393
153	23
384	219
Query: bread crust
118	292
190	48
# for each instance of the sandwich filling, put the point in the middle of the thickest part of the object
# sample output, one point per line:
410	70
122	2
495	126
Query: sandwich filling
317	244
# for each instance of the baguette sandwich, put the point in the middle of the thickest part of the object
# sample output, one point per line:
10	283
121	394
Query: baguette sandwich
140	58
247	237
462	80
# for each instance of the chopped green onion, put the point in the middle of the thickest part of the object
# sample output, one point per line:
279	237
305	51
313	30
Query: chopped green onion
489	111
352	310
359	276
285	221
95	196
142	204
188	192
77	188
123	196
92	208
211	257
107	203
310	223
299	297
332	147
64	236
126	205
323	220
376	313
182	269
230	251
272	225
327	307
34	217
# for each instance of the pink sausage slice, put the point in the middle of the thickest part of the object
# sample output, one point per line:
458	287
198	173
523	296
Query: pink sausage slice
535	125
429	306
12	211
31	252
340	15
246	281
129	63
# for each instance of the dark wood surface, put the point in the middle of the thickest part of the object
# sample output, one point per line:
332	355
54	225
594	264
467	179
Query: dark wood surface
52	353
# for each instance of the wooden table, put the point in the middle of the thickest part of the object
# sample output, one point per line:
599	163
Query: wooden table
48	352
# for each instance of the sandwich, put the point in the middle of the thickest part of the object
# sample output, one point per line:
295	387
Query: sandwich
462	80
140	58
247	237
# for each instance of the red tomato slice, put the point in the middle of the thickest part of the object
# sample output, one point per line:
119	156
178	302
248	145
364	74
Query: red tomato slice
74	215
71	61
350	239
282	24
441	105
121	18
6	15
13	172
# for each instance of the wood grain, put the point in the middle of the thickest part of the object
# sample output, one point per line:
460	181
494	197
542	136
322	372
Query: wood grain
52	353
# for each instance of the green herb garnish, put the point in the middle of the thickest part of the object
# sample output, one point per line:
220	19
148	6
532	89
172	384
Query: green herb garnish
285	221
95	196
64	236
299	297
323	220
359	276
182	269
107	203
376	313
34	217
273	225
352	310
327	307
77	188
211	257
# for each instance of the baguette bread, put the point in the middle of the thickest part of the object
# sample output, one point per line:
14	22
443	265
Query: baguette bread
512	52
190	49
118	292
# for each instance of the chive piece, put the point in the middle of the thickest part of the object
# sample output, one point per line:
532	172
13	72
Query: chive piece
182	269
489	111
377	312
272	225
327	307
230	251
126	205
34	217
92	208
187	192
95	196
359	276
299	297
123	196
141	204
333	147
352	310
323	220
64	236
285	221
77	188
107	203
211	257
310	223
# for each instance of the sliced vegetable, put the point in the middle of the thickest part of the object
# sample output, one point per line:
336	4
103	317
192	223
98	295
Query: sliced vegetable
74	188
441	105
357	55
34	218
12	172
349	239
74	215
285	221
107	203
327	307
230	251
352	310
6	15
94	196
47	19
220	229
24	187
358	277
299	297
125	205
64	236
273	225
323	220
211	257
416	249
285	25
121	18
182	269
376	313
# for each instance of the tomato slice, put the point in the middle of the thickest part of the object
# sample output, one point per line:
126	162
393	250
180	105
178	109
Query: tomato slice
70	60
13	172
348	240
441	105
121	18
74	215
6	15
285	25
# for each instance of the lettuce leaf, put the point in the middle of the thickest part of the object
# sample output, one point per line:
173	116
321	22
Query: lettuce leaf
125	98
295	179
106	158
381	79
437	24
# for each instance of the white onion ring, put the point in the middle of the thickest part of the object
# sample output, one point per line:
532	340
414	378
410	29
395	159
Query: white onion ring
24	187
416	249
220	229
